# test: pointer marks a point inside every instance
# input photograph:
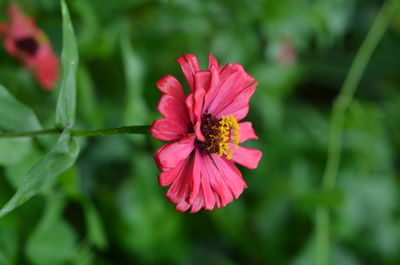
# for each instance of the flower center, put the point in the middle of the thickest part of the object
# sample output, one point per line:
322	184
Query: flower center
28	45
220	135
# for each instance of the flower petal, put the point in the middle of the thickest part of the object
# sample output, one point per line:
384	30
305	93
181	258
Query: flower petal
45	66
209	198
180	188
182	206
196	177
198	203
229	88
194	104
190	66
246	131
167	130
169	85
202	80
166	177
169	155
217	182
173	109
239	106
230	174
213	62
247	157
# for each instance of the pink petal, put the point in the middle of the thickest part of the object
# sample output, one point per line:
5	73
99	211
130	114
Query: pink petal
168	176
45	66
230	174
246	131
169	85
189	67
247	157
173	109
238	94
194	104
197	131
182	206
198	203
190	107
202	80
209	198
228	70
217	182
213	88
167	130
169	155
239	106
179	190
196	176
213	62
217	85
229	89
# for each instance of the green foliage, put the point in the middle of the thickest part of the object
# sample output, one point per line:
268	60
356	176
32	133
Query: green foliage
44	172
65	113
53	241
107	208
16	117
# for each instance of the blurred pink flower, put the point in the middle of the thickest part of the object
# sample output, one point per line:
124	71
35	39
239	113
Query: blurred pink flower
287	52
200	164
25	41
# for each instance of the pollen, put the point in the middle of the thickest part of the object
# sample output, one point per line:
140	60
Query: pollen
229	135
220	135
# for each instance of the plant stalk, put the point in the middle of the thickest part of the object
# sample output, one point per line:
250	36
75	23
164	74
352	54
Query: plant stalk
85	133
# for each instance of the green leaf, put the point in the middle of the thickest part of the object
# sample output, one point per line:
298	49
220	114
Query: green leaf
94	226
43	173
15	116
135	111
15	150
87	101
65	112
53	241
8	246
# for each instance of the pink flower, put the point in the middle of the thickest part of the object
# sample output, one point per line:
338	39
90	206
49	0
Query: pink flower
25	41
200	164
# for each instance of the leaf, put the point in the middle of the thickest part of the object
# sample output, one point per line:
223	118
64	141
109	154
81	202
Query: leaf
94	226
15	150
66	104
87	100
15	116
53	241
8	246
43	173
135	111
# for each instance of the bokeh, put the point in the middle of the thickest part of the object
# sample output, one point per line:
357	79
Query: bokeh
109	209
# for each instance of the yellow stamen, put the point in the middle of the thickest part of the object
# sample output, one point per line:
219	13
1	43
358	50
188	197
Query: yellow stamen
228	134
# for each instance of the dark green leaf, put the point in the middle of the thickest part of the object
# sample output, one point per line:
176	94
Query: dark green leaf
43	173
94	226
15	116
65	113
53	241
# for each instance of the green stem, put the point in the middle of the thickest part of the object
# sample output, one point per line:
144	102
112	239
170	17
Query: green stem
337	121
86	133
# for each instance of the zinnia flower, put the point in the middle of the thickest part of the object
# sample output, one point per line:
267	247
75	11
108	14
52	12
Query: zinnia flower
25	41
205	125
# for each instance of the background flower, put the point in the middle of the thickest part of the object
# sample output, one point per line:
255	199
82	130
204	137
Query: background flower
24	40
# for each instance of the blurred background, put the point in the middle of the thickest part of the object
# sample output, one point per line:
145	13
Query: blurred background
109	208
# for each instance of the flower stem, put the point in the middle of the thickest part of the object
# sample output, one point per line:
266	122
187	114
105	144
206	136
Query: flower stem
340	106
86	133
